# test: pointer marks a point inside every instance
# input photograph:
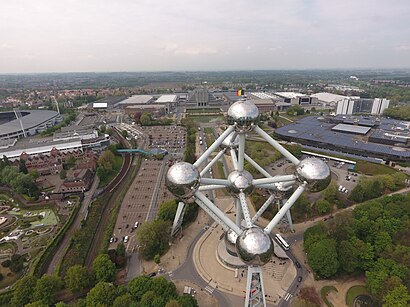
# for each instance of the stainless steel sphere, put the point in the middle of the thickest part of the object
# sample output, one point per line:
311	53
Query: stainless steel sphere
245	114
230	242
282	189
229	143
254	246
315	172
182	180
240	181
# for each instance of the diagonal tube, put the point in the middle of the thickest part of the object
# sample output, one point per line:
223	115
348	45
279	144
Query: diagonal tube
213	161
257	182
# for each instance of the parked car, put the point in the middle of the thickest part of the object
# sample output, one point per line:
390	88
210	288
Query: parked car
126	239
299	278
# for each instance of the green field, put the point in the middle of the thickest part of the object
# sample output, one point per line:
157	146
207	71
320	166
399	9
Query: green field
372	169
49	218
209	110
206	118
353	292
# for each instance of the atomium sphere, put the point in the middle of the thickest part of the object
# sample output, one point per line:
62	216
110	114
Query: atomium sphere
315	172
254	246
240	182
229	143
245	114
182	180
230	240
282	189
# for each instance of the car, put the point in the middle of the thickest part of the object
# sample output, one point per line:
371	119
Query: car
153	274
299	278
126	239
126	226
115	239
297	264
136	224
112	240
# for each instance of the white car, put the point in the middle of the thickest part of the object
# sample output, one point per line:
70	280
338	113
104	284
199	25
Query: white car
126	239
136	224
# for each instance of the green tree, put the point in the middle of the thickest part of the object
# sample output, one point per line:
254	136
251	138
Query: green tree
123	300
120	250
322	257
46	289
167	210
17	263
23	292
103	128
69	162
103	294
348	257
77	279
153	238
22	166
138	286
157	259
61	304
145	119
173	303
37	304
104	268
63	174
398	297
124	133
149	299
186	300
331	192
323	206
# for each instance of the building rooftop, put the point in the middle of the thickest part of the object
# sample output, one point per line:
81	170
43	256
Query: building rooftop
351	129
167	98
290	94
328	97
136	99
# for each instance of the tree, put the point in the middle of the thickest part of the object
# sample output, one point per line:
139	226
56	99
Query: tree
36	304
138	286
22	166
77	279
323	206
17	263
398	297
63	174
157	259
103	294
331	192
145	119
167	210
120	250
104	268
69	162
348	256
186	300
173	303
153	238
322	257
46	289
103	128
23	293
123	300
124	133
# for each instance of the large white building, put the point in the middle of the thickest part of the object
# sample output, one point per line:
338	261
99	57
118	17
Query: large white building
350	106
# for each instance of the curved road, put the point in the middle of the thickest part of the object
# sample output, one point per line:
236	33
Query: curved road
188	271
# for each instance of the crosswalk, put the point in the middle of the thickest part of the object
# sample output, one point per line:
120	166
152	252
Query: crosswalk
209	289
287	296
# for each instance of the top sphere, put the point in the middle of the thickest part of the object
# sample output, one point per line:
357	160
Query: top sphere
315	172
229	143
182	180
245	114
254	246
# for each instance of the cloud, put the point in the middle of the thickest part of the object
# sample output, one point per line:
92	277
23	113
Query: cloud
403	48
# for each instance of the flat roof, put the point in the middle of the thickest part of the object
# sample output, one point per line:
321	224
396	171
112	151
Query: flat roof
167	98
98	105
136	99
262	95
328	97
351	129
290	94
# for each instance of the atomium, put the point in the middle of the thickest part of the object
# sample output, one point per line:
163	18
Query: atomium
182	180
240	182
254	246
229	143
244	114
315	172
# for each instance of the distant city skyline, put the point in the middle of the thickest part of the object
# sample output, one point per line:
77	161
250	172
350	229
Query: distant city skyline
178	35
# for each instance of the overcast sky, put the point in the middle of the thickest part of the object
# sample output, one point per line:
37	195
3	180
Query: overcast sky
152	35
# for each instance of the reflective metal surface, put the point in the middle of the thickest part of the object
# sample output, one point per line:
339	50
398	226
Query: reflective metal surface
282	189
182	180
254	246
315	172
245	114
240	181
229	143
230	238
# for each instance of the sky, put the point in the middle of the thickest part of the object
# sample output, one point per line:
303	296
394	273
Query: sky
185	35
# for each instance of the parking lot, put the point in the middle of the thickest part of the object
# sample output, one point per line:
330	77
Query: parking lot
148	190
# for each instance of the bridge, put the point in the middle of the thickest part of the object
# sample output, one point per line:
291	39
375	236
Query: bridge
155	151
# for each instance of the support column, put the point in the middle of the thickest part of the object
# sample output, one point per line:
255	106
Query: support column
255	293
178	218
239	213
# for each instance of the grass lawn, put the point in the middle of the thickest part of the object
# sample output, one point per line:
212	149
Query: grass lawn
353	292
324	292
204	110
206	118
373	169
9	277
115	171
49	217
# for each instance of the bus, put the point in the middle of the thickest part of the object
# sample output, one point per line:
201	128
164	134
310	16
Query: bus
282	241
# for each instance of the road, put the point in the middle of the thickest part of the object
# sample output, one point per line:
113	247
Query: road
63	246
188	271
